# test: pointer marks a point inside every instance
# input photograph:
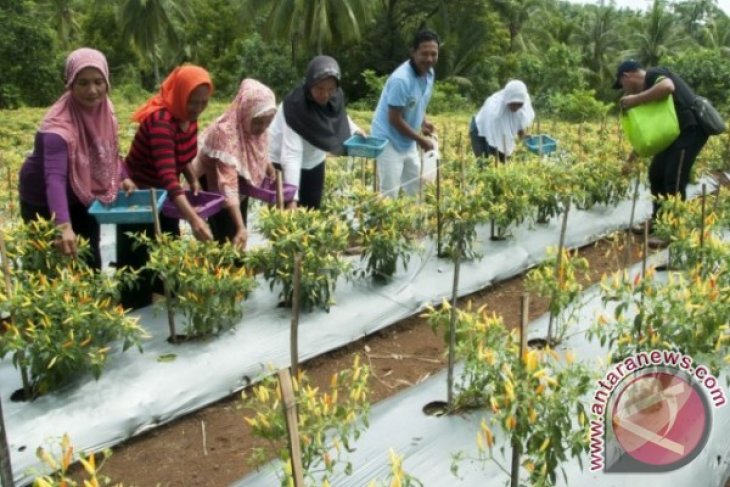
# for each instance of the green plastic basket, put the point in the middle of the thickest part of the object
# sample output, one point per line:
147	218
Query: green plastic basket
651	127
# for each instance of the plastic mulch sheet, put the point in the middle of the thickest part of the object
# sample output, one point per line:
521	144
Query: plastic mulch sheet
138	392
427	443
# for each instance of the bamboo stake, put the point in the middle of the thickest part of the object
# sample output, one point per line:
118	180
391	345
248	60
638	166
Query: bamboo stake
295	305
452	328
279	191
289	403
165	287
559	262
634	199
9	289
6	471
516	450
375	175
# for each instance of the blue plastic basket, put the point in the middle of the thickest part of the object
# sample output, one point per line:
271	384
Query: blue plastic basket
541	144
359	146
134	208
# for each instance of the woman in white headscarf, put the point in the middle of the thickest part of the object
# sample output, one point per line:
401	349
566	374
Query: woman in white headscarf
505	115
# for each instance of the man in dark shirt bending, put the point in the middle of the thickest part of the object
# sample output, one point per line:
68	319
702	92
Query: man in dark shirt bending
669	169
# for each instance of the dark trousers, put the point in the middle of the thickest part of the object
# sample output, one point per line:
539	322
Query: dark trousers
135	256
221	224
82	224
480	146
669	170
311	186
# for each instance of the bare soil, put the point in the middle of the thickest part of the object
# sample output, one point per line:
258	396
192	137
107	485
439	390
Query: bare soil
400	356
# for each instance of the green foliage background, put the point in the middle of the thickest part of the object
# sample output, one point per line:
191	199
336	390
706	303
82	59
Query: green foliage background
558	48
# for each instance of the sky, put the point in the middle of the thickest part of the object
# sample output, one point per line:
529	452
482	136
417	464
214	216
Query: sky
644	4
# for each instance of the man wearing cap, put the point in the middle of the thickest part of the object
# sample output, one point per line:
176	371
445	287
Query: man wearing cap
400	117
669	170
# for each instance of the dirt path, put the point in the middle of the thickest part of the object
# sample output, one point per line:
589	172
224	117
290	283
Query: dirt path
401	355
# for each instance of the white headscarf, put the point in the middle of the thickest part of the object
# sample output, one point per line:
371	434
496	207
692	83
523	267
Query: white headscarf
498	124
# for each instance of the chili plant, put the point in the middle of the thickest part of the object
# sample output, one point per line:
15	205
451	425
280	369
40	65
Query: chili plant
688	314
398	477
386	230
30	246
318	238
461	209
62	326
692	240
534	400
508	188
206	280
560	286
61	463
478	335
328	422
537	403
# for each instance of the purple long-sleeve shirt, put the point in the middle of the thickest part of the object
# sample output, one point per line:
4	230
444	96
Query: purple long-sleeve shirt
44	180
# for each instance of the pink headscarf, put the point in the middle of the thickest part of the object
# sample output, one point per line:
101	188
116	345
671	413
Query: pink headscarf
90	134
229	139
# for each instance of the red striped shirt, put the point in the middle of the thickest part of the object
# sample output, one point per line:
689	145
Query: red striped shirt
160	151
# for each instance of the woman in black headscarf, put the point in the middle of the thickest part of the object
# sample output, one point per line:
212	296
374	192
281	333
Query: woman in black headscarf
311	122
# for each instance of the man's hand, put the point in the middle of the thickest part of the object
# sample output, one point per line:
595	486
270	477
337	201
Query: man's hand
427	127
629	165
629	101
425	143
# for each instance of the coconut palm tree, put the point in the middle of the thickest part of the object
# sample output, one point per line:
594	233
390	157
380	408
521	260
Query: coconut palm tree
152	25
660	35
63	19
597	35
314	23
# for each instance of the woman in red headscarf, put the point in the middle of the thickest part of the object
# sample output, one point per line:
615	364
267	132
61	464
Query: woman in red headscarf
75	156
164	145
234	154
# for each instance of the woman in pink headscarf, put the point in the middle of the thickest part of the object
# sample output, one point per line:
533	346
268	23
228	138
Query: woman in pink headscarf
234	153
75	157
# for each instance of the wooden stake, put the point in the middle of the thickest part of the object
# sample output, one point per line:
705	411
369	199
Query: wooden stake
9	290
364	171
627	247
165	287
559	263
279	191
524	321
295	305
452	328
375	175
289	403
516	450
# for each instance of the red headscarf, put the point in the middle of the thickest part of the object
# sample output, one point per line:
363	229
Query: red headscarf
175	91
90	134
229	139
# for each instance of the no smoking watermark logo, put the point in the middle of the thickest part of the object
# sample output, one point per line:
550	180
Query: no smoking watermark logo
652	413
